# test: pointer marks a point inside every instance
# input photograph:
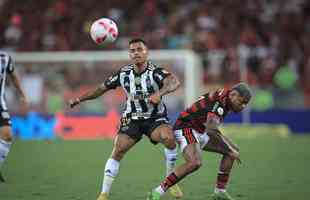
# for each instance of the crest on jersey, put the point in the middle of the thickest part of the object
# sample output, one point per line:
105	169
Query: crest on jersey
220	110
137	80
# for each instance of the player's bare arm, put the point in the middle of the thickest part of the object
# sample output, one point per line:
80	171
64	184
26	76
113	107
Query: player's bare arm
18	87
170	84
99	91
222	144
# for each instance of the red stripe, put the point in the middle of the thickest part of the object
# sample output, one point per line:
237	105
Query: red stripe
189	135
184	114
203	103
194	108
186	135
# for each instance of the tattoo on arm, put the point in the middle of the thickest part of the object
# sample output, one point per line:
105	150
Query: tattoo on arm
93	94
170	84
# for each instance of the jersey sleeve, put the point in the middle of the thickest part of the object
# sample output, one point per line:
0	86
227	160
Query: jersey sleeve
159	75
113	81
10	67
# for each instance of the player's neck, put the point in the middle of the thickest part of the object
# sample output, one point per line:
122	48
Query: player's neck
140	67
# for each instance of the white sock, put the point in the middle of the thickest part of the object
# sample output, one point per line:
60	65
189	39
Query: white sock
110	172
4	151
160	190
217	190
171	159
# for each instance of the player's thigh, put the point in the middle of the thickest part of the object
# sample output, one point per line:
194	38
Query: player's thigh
122	144
192	153
6	133
162	132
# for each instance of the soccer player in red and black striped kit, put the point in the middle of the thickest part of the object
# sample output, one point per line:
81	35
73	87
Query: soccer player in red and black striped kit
196	129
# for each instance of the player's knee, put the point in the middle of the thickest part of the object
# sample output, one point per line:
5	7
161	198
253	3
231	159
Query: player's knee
169	140
118	154
194	164
170	144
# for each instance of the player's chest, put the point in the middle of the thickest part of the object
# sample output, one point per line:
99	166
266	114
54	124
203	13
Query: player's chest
138	83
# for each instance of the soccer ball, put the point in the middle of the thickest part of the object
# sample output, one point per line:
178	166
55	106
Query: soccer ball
104	30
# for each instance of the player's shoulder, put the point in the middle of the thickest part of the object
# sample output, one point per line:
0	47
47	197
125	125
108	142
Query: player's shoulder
154	66
127	68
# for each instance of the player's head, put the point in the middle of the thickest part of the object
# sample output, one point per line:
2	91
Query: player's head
138	50
239	96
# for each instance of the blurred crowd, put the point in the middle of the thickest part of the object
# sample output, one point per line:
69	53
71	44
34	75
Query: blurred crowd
269	40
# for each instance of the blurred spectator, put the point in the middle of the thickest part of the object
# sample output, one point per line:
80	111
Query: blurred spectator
32	84
260	38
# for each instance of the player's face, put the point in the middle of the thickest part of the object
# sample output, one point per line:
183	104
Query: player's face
238	102
138	52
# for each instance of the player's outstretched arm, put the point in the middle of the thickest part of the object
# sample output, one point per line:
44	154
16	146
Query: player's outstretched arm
170	84
89	95
18	87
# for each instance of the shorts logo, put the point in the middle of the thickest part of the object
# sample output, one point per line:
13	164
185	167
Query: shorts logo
125	123
124	128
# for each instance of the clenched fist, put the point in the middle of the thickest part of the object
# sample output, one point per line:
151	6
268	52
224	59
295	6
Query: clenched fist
74	102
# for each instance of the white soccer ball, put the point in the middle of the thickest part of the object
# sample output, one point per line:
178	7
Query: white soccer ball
104	30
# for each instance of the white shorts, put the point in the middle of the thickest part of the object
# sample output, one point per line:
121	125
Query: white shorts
188	136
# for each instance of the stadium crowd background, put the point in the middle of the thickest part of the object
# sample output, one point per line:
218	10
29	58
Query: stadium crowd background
272	35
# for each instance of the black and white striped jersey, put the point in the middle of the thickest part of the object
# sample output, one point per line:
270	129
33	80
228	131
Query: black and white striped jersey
6	68
138	87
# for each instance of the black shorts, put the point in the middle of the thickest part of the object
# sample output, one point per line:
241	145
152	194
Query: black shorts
5	119
137	128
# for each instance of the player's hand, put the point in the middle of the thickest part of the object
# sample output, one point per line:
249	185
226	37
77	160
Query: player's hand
155	98
236	156
74	102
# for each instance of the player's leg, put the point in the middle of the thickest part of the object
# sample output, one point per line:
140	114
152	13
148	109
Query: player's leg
162	132
171	156
5	145
230	152
122	144
192	156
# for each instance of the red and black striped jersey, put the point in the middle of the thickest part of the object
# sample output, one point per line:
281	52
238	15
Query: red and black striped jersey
211	104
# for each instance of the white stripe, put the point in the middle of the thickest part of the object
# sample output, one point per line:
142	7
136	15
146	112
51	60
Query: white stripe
128	106
2	92
144	77
133	91
143	82
154	84
3	77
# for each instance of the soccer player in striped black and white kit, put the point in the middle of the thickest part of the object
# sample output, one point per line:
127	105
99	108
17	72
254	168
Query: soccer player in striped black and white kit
144	84
6	70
